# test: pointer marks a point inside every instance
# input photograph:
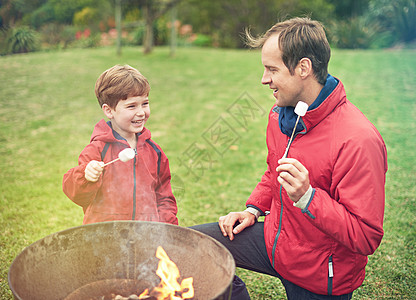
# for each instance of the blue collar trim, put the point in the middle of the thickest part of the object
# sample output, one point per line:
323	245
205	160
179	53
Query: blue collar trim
330	84
287	116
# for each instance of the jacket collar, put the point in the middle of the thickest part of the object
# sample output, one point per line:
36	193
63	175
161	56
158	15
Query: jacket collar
335	98
287	115
103	131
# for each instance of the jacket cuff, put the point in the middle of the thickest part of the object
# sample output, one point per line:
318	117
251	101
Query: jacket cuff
255	210
306	210
303	201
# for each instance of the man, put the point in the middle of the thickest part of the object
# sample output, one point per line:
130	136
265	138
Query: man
324	203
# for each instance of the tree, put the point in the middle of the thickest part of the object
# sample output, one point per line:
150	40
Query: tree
152	10
12	11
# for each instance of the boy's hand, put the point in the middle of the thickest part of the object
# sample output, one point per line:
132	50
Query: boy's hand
94	170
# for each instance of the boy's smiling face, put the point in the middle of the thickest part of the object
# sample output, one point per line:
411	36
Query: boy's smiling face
129	116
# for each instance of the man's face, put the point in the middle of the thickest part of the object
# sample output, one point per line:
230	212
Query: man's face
286	88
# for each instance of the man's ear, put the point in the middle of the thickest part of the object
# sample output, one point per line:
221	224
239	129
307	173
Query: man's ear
107	111
305	67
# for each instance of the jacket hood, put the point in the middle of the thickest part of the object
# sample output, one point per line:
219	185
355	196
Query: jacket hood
104	132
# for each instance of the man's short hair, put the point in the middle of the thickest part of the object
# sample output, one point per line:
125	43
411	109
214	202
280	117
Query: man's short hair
119	83
299	38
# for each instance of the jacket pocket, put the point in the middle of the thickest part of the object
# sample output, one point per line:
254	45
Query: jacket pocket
330	275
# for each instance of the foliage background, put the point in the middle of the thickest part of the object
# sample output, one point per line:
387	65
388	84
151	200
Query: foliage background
350	23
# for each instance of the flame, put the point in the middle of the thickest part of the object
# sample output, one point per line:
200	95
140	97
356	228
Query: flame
169	288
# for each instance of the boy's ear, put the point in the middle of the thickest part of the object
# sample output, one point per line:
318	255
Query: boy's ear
107	111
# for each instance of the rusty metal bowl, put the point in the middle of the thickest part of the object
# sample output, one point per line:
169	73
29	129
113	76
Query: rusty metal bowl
117	254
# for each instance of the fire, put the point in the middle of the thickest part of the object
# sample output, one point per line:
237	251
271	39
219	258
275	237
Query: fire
169	288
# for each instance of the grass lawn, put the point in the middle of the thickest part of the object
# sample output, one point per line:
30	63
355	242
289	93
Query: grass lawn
48	110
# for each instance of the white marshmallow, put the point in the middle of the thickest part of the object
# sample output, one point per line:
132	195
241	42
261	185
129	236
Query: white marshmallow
126	154
301	108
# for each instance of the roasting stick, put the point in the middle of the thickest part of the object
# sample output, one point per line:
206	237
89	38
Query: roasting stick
124	155
300	110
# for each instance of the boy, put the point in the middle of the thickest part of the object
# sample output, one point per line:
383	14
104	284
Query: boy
138	189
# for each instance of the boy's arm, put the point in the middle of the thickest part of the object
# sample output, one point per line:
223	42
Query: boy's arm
166	202
75	185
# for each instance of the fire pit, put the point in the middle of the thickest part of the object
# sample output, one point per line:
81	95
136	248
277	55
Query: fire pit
101	259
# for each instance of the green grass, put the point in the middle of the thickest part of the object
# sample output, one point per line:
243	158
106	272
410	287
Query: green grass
48	110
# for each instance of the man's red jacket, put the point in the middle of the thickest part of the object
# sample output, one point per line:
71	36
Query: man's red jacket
138	189
324	247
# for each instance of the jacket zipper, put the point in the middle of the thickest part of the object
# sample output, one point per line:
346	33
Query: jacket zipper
330	275
276	238
133	217
281	199
280	227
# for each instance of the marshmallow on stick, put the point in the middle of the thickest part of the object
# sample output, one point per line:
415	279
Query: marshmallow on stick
124	155
300	109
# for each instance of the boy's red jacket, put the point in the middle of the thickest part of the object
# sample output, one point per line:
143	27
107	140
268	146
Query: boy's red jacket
138	189
324	247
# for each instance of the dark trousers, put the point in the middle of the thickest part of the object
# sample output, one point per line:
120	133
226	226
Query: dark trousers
249	251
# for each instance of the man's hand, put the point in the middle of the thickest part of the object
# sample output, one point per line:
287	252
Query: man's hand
227	223
294	178
93	170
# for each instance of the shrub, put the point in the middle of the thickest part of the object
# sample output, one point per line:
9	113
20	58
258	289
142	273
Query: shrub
86	17
352	33
90	41
67	36
161	32
405	23
57	35
137	35
50	34
42	16
3	41
397	17
202	40
22	40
